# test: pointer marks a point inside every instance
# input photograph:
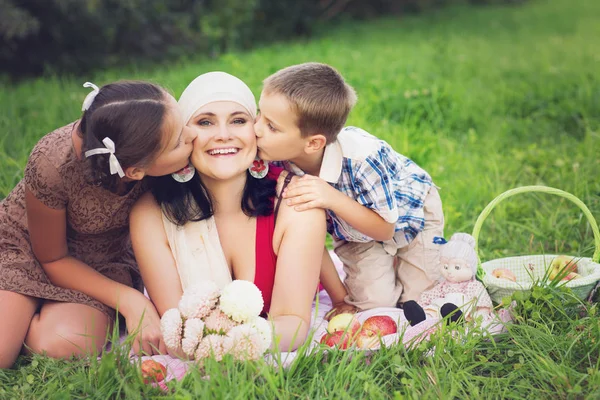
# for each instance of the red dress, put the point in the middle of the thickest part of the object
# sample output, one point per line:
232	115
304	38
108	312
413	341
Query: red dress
266	259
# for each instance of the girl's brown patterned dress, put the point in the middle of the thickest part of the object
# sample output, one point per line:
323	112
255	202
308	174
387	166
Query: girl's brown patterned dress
97	223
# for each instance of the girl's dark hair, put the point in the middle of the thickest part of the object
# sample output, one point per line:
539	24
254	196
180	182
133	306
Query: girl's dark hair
131	114
190	201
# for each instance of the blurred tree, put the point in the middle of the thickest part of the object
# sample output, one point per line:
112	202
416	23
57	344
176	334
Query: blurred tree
39	36
227	23
16	22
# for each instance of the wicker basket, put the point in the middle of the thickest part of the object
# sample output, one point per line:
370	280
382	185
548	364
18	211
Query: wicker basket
531	268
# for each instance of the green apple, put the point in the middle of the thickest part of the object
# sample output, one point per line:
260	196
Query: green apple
562	265
344	322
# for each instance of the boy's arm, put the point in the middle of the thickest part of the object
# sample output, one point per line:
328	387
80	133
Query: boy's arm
313	192
335	288
331	281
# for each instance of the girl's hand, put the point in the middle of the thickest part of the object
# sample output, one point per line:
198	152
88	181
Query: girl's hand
143	322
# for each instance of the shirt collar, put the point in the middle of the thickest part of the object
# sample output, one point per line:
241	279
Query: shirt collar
331	166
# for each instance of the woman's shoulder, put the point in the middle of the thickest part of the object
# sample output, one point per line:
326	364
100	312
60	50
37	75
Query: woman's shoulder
146	203
288	217
145	216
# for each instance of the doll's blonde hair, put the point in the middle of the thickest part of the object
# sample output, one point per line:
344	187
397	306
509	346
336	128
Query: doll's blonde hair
461	245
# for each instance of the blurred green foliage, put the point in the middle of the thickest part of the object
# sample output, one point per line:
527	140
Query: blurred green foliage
75	36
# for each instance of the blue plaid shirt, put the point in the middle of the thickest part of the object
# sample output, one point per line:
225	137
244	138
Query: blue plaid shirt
368	170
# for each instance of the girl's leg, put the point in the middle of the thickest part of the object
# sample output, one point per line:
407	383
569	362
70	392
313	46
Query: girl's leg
62	330
16	312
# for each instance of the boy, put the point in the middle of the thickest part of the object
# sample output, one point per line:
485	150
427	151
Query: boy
383	210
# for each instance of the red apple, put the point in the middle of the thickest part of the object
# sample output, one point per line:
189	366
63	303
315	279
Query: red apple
153	371
338	339
381	325
367	339
571	276
344	322
373	329
503	273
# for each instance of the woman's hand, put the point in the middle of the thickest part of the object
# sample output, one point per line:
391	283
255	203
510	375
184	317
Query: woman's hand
143	322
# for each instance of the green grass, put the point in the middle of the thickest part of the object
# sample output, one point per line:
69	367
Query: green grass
485	99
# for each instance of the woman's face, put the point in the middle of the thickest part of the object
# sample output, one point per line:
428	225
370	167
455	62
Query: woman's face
177	143
226	144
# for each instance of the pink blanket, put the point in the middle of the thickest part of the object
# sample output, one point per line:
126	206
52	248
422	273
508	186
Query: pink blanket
177	368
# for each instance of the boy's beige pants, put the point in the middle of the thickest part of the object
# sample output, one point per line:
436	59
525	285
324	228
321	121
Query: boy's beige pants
375	278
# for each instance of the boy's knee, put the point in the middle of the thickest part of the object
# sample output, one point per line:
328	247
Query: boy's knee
378	294
370	276
389	298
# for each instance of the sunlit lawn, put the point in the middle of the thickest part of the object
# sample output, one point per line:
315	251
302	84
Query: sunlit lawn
485	99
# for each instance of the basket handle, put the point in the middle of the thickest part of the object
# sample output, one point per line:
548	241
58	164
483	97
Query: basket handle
542	189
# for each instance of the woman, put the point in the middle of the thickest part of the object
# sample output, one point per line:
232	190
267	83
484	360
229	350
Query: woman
223	223
66	261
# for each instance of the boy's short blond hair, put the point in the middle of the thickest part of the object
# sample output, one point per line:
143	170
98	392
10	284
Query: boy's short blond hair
319	96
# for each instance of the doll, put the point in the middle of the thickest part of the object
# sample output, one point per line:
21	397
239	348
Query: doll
458	293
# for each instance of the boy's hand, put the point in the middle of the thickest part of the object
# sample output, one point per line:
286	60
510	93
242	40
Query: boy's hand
341	308
310	192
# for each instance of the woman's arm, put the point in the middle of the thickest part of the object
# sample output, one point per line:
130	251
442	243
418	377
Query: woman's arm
153	254
299	240
48	234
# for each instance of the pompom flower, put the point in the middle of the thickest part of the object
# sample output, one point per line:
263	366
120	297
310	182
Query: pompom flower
241	301
192	334
213	346
264	330
212	323
218	322
199	299
171	326
246	342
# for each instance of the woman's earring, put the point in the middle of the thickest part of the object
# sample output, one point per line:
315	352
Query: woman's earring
259	168
185	174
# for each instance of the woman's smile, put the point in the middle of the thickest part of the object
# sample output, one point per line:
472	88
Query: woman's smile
224	151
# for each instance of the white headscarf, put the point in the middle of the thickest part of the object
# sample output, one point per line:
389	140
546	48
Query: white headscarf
215	86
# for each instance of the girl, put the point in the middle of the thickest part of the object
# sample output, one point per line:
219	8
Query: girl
65	257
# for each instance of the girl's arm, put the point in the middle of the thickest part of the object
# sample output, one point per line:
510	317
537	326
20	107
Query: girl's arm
153	254
48	235
299	241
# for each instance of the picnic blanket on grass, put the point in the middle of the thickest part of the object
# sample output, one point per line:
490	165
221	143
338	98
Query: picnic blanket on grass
407	335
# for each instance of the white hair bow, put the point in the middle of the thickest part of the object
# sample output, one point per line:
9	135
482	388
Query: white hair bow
115	167
89	99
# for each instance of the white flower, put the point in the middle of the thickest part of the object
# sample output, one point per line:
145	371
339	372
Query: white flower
241	301
213	346
264	330
199	299
247	343
192	334
171	326
218	322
